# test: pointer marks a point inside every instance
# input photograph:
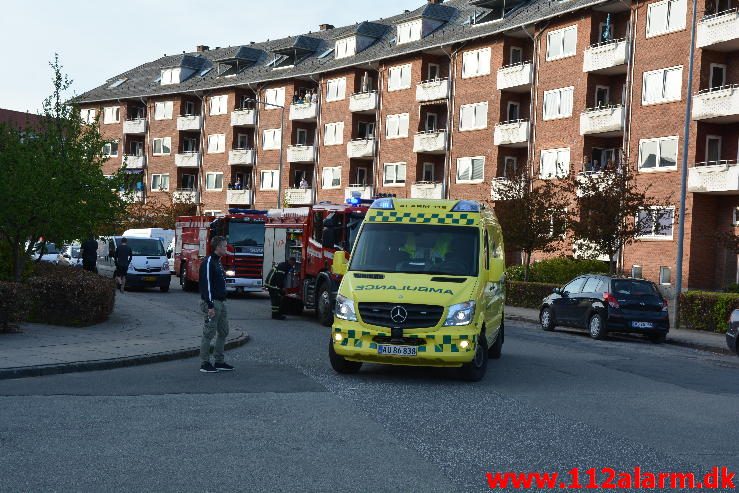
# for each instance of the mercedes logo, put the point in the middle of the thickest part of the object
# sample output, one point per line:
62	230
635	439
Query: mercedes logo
398	314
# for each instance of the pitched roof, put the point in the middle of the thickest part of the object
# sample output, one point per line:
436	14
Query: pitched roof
300	43
184	61
241	53
371	29
434	11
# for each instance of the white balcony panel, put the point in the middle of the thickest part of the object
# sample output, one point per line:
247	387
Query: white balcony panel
513	134
137	126
301	154
303	112
299	196
242	156
238	197
517	78
361	149
193	122
606	58
363	191
716	179
427	191
717	106
132	197
498	186
186	196
432	90
606	122
365	102
719	32
187	160
243	118
134	162
430	142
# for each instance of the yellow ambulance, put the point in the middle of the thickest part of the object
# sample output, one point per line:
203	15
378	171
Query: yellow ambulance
424	287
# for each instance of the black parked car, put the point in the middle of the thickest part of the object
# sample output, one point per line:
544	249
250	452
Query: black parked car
604	304
733	333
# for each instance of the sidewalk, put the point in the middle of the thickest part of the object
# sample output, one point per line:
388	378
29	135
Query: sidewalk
142	329
697	339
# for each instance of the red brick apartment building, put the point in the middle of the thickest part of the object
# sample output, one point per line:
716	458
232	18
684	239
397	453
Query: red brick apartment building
445	101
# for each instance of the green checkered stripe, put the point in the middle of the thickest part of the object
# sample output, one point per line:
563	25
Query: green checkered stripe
460	219
351	340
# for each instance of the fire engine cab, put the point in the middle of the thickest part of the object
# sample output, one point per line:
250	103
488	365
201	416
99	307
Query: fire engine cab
244	232
312	235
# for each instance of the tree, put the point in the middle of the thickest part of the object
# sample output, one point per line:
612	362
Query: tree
51	179
157	214
532	213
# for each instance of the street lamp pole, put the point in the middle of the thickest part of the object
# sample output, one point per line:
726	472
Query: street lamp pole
282	127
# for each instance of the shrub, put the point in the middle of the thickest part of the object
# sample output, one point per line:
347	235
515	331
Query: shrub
527	294
61	295
558	270
701	310
14	306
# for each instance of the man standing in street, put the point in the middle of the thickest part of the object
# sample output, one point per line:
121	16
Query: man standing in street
275	283
213	305
89	254
123	257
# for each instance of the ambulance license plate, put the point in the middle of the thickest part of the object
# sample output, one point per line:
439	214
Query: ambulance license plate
397	350
150	279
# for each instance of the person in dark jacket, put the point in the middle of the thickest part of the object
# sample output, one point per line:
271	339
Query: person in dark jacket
213	306
275	284
123	257
89	251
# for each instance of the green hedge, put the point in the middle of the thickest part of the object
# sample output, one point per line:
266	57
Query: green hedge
14	303
558	270
527	294
701	310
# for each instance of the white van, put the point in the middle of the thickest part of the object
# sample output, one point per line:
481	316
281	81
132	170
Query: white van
166	235
149	267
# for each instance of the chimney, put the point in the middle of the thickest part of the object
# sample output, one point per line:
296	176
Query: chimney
325	27
202	48
436	2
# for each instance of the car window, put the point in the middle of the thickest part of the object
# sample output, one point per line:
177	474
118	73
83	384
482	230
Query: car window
591	285
575	286
630	287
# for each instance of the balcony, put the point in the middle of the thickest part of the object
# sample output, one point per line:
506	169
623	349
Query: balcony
361	191
186	197
432	90
190	122
134	162
361	149
301	154
134	127
719	105
242	156
238	197
303	111
587	182
363	102
516	78
243	118
720	31
606	121
607	58
513	134
715	178
427	190
187	159
132	197
299	196
498	186
433	142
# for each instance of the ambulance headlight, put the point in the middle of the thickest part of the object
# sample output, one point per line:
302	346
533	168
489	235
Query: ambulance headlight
230	273
460	314
345	309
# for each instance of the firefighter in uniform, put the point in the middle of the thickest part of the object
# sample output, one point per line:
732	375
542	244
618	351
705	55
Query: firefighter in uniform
275	283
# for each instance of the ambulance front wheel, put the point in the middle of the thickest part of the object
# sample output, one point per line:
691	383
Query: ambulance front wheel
475	369
341	364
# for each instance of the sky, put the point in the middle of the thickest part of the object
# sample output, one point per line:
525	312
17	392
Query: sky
98	39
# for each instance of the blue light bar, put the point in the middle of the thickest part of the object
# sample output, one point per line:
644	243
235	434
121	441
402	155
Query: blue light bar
384	203
466	206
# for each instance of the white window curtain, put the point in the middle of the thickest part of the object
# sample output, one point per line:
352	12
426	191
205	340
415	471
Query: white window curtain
558	103
336	89
554	163
562	43
662	85
470	169
163	110
394	174
476	63
397	126
275	96
400	77
111	114
214	181
268	179
473	116
673	83
271	139
216	143
331	177
334	133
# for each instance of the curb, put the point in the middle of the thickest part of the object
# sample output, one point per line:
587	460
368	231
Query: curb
109	364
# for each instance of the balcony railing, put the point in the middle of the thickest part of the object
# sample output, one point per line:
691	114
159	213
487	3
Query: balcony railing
516	77
184	196
361	191
719	105
189	122
427	190
363	102
134	162
361	148
607	121
135	126
244	118
187	159
716	177
585	179
431	142
498	186
301	154
303	111
431	90
299	196
719	31
238	197
512	133
242	156
608	57
131	197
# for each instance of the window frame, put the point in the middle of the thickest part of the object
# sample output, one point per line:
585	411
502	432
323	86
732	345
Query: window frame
555	175
117	113
426	166
400	70
338	84
273	103
274	173
663	99
220	107
160	175
220	141
110	145
216	174
657	168
486	69
400	117
277	144
471	180
563	31
164	105
475	107
653	236
559	115
396	182
334	170
162	153
678	27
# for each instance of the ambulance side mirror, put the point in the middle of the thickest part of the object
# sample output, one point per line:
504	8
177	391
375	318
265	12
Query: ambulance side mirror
340	265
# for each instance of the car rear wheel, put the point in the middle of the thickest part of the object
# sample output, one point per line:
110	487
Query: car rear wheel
341	364
496	349
595	327
475	369
546	318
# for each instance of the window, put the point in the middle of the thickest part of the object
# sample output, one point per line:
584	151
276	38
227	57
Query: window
602	96
666	16
219	105
345	47
659	153
428	172
516	55
473	116
432	122
162	147
655	223
562	43
216	143
558	223
111	149
555	163
136	148
274	97
470	169
665	275
592	285
718	76
510	163
360	178
163	110
336	89
662	86
211	213
410	31
214	181
575	286
170	76
394	174
400	78
513	111
189	145
713	150
159	183
366	130
396	126
605	32
476	63
331	177
434	71
334	134
271	139
188	182
558	103
302	137
189	108
111	114
88	116
269	179
242	141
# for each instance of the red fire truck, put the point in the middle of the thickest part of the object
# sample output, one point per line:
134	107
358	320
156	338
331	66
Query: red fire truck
244	231
312	235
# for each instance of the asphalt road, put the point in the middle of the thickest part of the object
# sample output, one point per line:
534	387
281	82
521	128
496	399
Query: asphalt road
284	421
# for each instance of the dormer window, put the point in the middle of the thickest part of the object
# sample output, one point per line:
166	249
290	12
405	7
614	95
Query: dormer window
170	76
424	22
410	31
346	47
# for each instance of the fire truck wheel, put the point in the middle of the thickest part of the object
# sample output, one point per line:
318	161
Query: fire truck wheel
187	285
323	306
341	364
